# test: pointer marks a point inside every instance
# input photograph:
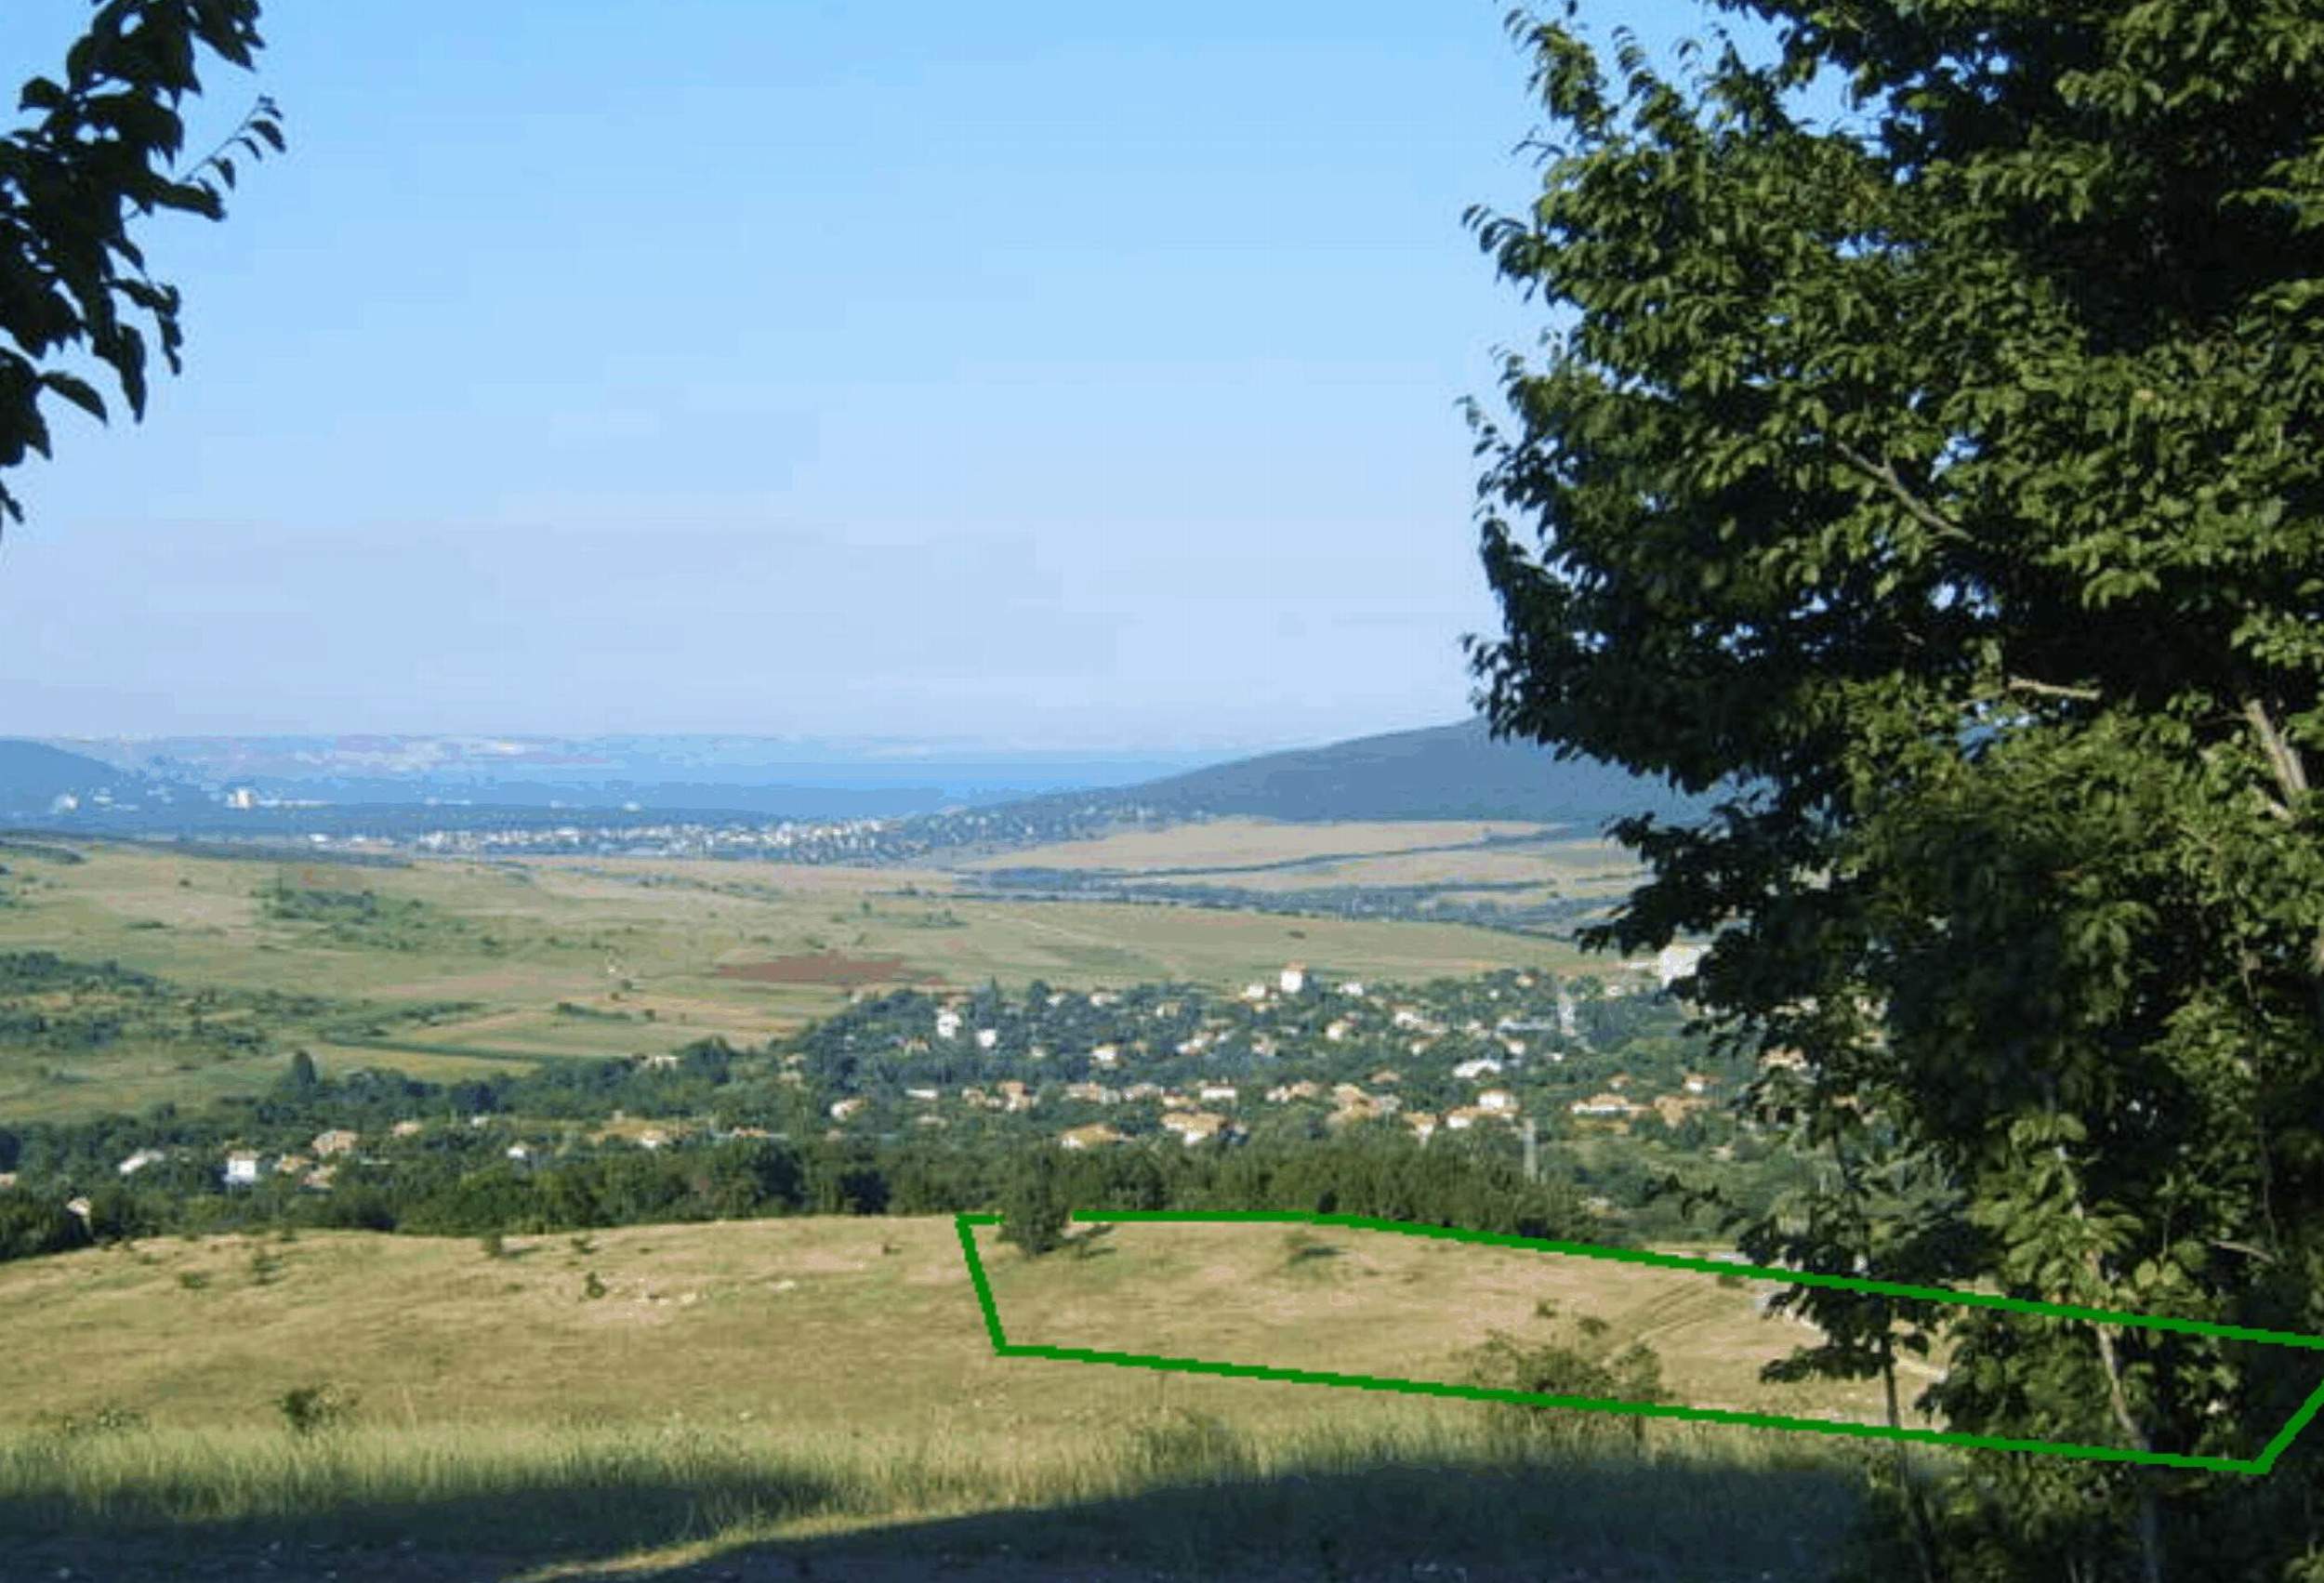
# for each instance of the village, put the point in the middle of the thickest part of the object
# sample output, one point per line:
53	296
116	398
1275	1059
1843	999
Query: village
1517	1056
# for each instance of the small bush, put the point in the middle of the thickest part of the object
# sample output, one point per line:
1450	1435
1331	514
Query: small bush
311	1409
492	1245
192	1280
591	1287
1580	1360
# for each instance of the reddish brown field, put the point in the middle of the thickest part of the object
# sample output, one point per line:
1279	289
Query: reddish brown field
829	967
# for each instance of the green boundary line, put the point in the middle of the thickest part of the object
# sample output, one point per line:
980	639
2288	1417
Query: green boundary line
1002	1347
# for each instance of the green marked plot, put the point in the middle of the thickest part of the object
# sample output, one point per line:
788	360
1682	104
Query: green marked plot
1308	1308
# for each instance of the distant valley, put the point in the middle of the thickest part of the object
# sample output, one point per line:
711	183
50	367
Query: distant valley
757	797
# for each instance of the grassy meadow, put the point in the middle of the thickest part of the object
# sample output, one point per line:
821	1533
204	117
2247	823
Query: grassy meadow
750	1399
1283	860
454	968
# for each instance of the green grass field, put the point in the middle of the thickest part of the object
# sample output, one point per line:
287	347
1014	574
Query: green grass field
636	945
745	1396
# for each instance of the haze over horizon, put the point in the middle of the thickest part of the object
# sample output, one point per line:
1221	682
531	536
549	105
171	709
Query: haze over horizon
1040	375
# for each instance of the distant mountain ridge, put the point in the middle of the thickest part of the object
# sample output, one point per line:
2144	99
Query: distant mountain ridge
778	777
34	777
1455	772
1444	773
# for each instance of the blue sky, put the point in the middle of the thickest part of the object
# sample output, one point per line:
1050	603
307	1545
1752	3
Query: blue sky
1034	374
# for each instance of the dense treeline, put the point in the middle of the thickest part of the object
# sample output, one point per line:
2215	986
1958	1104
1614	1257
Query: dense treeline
461	1183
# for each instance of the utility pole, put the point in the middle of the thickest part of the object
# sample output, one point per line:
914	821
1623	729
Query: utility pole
1533	1151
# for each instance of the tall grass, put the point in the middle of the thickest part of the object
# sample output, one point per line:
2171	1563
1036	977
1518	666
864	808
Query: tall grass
1432	1482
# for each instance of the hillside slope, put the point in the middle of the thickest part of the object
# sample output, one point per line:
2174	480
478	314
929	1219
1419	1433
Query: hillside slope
1455	772
33	776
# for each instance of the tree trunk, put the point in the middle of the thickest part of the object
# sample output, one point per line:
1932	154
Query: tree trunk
1915	1513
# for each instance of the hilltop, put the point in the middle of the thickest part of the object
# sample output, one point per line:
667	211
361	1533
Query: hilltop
1438	773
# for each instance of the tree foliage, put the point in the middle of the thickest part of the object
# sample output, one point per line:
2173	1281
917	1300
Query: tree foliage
100	149
1950	477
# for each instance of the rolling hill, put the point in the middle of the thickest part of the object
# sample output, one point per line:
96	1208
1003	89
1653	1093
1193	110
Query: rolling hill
34	776
1440	772
1455	772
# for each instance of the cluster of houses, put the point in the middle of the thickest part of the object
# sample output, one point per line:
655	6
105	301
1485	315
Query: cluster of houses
1277	1019
1191	1067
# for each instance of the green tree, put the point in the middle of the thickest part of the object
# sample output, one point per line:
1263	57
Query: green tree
1033	1207
1944	484
303	1075
101	147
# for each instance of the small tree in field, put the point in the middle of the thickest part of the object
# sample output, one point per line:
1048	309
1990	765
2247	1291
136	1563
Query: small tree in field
1033	1209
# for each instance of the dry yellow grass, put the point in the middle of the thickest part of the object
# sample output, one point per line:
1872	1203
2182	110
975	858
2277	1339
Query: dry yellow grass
824	1324
824	1389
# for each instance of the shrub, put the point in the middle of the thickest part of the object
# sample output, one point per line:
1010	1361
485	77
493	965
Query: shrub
1581	1360
311	1409
591	1287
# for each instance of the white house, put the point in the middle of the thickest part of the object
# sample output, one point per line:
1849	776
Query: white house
242	1169
842	1109
1192	1126
987	1037
947	1024
1499	1101
1353	990
1293	978
141	1159
1675	962
1105	1055
926	1096
1223	1093
1483	1066
1254	992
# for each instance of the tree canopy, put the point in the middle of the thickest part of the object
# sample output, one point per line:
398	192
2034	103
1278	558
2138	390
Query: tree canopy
1951	475
100	149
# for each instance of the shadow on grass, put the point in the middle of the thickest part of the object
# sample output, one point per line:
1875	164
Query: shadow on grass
1609	1521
